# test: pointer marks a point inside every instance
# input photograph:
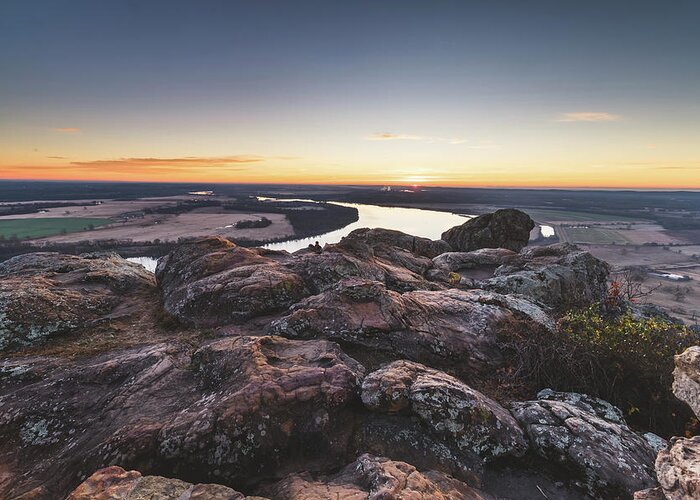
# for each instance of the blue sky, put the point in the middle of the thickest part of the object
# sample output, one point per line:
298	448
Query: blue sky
443	92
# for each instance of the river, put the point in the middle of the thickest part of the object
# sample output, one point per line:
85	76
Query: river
418	222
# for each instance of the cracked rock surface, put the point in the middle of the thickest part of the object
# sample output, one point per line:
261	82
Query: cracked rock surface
461	416
116	483
233	410
589	437
238	371
449	327
375	478
45	295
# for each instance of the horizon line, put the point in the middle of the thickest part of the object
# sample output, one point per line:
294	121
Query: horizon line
373	184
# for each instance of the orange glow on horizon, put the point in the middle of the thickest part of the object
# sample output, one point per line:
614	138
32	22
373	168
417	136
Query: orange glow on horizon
274	169
18	174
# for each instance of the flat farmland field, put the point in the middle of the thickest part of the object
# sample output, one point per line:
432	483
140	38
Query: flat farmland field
40	227
592	235
546	215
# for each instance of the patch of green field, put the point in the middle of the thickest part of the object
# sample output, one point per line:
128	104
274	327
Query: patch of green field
40	227
544	215
593	235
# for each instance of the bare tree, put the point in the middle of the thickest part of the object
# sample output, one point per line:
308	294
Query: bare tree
631	285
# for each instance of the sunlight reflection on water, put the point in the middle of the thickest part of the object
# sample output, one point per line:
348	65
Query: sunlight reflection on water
425	223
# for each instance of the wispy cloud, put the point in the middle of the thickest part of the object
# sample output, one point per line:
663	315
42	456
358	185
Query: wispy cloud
152	164
207	161
588	116
67	130
141	167
390	136
57	157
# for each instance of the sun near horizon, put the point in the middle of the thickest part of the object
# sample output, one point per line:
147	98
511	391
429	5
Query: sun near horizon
446	94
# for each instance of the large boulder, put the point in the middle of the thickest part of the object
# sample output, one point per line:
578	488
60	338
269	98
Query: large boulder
441	328
114	483
589	437
43	295
276	401
686	378
375	478
508	228
399	269
212	281
388	240
406	438
558	276
235	410
678	469
461	416
678	464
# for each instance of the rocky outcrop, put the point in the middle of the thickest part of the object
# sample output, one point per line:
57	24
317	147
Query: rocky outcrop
371	477
686	378
387	241
678	469
261	385
482	258
507	228
213	281
557	276
233	410
398	268
367	477
678	464
43	295
461	416
650	494
588	437
446	328
114	483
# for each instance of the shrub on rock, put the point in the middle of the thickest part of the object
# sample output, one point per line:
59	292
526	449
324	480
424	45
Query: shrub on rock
621	359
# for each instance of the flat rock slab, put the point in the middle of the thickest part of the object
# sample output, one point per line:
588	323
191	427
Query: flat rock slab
439	328
235	409
44	295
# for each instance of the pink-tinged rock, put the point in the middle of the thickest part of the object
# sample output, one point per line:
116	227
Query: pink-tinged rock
114	483
375	478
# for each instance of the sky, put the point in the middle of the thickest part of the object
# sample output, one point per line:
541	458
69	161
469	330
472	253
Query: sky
557	93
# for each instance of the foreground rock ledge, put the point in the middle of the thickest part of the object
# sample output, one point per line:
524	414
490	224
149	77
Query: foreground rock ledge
589	437
461	416
45	295
368	477
114	483
237	409
260	385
